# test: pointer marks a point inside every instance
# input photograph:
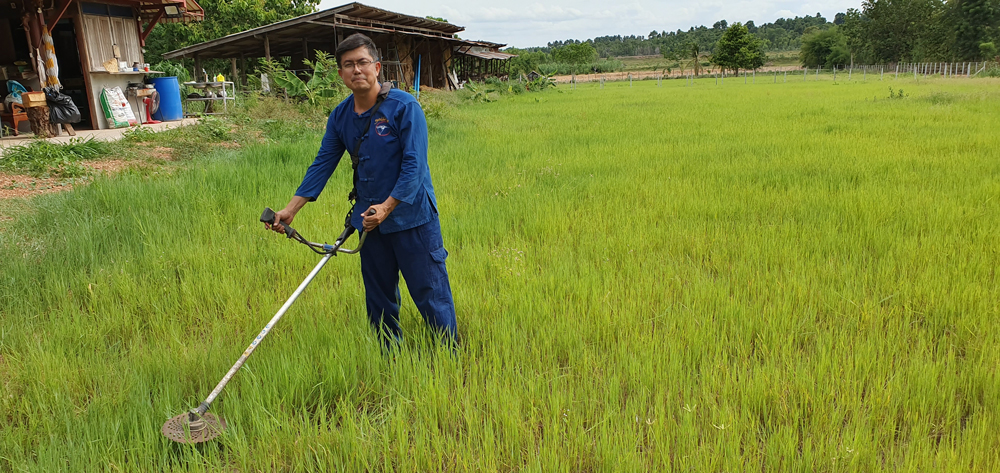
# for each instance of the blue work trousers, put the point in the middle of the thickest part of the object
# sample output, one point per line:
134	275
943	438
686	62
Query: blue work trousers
419	254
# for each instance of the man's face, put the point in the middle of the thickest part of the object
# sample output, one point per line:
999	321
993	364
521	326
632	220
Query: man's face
359	70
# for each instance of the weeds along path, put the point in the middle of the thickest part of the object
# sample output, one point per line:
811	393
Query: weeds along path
738	278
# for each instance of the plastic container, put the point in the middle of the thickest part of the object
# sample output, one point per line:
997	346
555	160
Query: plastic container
170	99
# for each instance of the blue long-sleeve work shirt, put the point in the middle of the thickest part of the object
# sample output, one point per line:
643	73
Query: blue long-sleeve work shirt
393	160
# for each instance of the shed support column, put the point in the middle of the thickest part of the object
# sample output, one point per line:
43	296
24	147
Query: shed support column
430	70
267	47
198	77
243	70
236	77
305	51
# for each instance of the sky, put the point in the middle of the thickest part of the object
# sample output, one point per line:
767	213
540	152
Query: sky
523	23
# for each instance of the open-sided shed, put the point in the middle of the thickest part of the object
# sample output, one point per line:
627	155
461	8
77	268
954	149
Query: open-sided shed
403	42
85	35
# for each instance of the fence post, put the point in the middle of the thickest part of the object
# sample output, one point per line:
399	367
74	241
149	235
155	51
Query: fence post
897	70
881	72
835	73
864	76
850	72
804	72
786	76
630	79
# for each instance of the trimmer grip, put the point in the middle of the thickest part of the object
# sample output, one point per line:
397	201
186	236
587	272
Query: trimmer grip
268	218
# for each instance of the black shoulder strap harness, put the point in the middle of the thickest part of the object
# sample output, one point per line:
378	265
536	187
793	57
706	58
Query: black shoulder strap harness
352	197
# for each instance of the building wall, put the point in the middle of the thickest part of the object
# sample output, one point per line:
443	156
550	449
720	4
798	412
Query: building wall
105	35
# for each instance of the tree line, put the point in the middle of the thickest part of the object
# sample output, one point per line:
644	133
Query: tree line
781	35
884	31
881	31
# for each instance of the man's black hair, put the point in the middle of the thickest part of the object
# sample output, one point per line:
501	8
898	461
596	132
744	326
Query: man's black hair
355	41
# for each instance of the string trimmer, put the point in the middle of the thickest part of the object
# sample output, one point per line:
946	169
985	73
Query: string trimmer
197	425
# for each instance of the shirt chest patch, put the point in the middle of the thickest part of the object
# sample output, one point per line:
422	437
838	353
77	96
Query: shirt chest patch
382	126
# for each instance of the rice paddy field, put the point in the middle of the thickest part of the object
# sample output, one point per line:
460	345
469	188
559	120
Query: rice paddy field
778	276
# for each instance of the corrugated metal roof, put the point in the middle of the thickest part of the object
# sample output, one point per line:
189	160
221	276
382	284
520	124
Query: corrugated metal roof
488	54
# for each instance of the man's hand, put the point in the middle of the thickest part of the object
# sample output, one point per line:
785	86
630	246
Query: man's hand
381	212
286	214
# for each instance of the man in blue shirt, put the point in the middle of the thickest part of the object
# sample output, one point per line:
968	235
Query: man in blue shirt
394	180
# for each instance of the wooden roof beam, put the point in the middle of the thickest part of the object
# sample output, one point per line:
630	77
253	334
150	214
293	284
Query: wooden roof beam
150	26
60	9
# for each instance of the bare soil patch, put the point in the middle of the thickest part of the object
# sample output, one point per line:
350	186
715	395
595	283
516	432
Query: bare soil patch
19	186
109	166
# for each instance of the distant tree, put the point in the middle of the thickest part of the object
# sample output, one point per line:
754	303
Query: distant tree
720	25
824	48
694	55
974	21
526	61
576	53
751	27
894	28
987	50
435	18
739	49
853	30
839	18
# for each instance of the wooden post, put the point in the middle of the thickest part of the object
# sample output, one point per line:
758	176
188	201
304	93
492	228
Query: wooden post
235	77
430	71
267	47
243	69
197	77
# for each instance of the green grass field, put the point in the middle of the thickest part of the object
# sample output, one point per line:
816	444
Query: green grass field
775	277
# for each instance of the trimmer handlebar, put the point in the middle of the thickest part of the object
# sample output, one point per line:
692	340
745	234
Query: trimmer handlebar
321	248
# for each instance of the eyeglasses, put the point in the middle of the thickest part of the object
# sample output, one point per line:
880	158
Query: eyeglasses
357	65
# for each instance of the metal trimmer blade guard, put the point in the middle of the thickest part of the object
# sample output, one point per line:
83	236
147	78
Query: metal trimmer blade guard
190	427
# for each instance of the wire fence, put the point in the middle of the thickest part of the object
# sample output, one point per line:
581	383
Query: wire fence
915	70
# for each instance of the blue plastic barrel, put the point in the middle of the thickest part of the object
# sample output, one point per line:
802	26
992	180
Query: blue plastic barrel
170	99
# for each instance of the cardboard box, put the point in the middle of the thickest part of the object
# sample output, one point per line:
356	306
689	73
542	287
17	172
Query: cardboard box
33	99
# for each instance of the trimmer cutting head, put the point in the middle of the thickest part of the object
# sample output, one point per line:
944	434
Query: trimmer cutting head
190	427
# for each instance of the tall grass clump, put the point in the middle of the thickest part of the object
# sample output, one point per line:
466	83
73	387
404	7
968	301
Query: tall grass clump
47	159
